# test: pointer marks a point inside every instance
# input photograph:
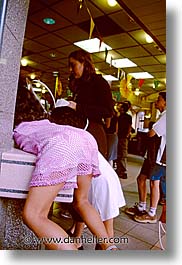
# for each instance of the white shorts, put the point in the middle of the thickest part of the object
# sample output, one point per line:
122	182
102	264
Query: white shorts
106	193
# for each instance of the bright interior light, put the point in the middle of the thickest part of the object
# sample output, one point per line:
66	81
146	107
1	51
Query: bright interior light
111	2
32	76
137	92
141	75
49	21
43	90
92	45
42	101
38	84
110	78
36	89
24	62
148	116
123	63
52	54
148	38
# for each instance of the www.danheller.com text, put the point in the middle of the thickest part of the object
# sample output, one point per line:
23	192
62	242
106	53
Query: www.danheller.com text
78	240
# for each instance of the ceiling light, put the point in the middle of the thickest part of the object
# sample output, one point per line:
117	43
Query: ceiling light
110	78
32	76
24	62
52	54
141	75
111	2
49	21
123	63
92	45
148	38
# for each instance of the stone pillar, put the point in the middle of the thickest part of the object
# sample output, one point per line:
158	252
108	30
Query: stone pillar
13	233
11	50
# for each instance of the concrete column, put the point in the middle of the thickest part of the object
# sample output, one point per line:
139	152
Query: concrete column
11	50
13	233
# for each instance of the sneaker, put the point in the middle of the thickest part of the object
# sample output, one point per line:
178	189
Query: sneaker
123	176
162	201
134	210
146	218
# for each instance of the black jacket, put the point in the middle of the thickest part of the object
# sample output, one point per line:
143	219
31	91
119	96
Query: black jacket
94	98
124	125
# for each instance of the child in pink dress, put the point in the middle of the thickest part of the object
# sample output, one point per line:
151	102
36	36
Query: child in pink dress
63	152
59	156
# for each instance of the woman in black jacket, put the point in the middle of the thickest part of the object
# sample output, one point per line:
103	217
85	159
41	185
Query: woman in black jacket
92	98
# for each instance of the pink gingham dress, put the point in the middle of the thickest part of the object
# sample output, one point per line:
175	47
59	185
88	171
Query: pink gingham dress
63	152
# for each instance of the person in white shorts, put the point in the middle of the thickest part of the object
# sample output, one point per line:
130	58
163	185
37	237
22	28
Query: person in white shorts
105	193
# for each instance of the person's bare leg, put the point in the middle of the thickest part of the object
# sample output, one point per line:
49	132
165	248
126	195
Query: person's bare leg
72	228
110	231
142	187
78	227
109	227
35	215
88	213
155	193
77	230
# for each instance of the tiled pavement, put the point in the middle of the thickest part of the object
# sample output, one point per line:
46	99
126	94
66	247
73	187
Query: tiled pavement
135	236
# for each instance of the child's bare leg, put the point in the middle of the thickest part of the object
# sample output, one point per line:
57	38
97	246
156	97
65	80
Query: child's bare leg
78	227
77	230
109	227
88	213
35	215
110	231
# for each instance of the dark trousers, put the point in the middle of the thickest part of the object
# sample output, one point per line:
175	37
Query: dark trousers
122	155
97	130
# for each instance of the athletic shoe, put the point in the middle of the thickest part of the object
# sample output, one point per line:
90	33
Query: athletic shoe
146	218
134	210
162	201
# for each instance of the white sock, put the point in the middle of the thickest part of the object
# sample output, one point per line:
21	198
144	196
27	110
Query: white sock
152	211
142	206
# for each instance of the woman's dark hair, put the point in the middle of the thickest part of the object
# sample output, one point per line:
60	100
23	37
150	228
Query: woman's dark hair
27	108
66	116
85	58
128	102
163	95
125	107
151	123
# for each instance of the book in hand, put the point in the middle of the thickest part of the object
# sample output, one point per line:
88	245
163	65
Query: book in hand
61	103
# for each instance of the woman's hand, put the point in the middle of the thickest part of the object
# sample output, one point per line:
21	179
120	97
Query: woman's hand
72	105
151	133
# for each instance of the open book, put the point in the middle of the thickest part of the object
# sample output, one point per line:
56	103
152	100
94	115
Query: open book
61	103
